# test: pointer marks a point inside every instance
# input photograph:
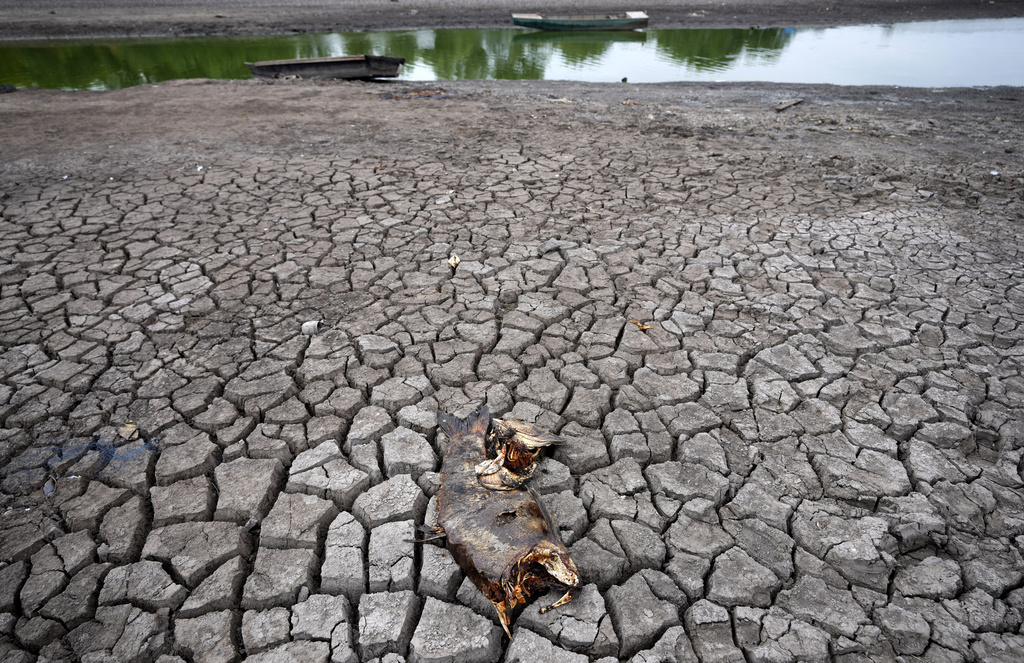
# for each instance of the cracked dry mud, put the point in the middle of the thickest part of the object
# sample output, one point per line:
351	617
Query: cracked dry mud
785	350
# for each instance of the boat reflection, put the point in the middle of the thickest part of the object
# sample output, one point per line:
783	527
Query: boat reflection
596	36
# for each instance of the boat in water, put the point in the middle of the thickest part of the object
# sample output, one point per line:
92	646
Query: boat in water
613	21
348	66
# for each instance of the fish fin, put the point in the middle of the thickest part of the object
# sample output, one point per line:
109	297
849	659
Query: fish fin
433	532
568	596
476	422
503	617
549	520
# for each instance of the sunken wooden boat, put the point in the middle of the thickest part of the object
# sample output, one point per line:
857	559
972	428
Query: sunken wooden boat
348	66
568	22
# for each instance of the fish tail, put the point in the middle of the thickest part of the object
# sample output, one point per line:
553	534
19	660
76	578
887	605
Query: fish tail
476	423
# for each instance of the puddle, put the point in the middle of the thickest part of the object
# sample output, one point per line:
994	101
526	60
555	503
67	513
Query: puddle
927	54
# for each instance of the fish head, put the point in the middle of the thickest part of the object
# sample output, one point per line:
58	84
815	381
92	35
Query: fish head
562	568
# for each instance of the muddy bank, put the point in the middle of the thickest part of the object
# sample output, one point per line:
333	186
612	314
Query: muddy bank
21	19
200	118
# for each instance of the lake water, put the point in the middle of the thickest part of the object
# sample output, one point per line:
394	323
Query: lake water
927	54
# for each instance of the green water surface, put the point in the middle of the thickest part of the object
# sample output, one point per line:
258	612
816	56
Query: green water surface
939	53
450	54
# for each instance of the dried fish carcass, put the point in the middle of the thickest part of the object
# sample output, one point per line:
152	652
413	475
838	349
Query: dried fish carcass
499	534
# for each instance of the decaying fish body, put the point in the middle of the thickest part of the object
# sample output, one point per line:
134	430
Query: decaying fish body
502	538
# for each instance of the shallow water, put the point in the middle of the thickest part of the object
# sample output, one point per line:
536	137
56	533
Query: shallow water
927	54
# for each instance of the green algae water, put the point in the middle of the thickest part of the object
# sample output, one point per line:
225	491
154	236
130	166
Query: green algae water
928	54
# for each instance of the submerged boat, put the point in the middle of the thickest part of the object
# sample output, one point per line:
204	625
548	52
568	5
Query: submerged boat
348	66
616	21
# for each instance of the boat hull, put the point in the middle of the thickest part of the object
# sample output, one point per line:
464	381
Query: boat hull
577	22
350	66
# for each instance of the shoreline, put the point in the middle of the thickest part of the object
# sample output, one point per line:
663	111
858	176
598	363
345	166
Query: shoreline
26	20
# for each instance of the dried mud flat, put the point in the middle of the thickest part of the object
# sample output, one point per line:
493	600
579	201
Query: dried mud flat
785	349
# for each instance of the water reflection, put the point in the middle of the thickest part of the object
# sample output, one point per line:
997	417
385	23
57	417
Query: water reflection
982	52
717	50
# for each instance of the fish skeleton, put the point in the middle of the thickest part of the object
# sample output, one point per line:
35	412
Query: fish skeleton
498	530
